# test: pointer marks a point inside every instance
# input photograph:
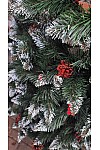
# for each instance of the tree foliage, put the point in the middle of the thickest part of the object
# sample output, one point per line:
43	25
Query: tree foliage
64	29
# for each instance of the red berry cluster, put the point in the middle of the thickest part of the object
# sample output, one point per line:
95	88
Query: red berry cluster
69	112
64	69
78	137
76	1
18	118
37	147
40	77
85	5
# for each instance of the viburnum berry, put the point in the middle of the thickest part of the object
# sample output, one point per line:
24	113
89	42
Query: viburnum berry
76	1
65	70
18	118
69	111
78	137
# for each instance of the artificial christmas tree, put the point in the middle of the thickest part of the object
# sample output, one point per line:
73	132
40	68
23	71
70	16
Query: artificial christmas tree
51	73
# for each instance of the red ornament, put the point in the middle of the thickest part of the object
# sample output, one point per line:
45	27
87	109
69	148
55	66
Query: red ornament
18	118
64	69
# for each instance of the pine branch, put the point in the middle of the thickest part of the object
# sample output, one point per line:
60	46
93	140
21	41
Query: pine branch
83	114
58	120
47	95
71	27
54	7
74	88
83	63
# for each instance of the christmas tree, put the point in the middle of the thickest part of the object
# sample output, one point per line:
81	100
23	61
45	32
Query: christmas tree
49	72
